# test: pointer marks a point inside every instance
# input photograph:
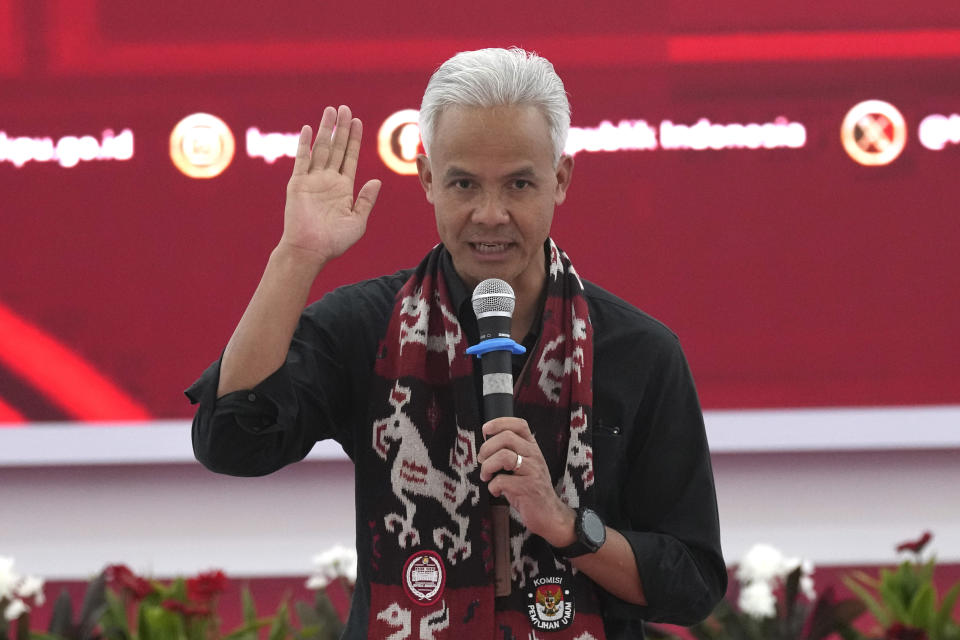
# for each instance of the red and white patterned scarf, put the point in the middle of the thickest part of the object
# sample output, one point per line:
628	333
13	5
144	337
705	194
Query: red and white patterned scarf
431	574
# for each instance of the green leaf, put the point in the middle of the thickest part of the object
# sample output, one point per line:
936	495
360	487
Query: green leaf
866	579
877	610
922	608
94	604
61	618
925	571
157	623
114	619
306	614
280	628
249	608
893	597
176	591
938	625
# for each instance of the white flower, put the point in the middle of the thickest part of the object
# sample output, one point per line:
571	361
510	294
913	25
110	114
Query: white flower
15	609
32	586
336	562
757	600
8	577
761	563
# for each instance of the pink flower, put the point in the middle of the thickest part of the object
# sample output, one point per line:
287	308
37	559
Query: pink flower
916	546
121	576
206	586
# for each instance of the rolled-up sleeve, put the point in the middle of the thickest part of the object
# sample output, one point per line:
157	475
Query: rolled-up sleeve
251	432
677	546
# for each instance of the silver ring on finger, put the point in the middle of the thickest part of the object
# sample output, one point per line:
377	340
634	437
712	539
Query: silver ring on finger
519	462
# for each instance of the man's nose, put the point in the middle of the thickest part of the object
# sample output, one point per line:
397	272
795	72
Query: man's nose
491	211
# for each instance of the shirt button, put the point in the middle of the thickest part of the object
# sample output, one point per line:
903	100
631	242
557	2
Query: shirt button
251	397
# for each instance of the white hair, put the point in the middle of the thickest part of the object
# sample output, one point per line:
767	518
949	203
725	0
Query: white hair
497	77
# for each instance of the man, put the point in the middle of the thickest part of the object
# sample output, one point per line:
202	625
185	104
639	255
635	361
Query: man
614	517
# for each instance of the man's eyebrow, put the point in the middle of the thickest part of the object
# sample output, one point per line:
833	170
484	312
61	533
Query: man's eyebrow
457	172
526	172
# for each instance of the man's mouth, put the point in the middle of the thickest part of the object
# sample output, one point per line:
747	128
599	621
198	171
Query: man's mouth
490	247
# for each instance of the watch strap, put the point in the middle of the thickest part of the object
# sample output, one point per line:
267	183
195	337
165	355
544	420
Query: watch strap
583	544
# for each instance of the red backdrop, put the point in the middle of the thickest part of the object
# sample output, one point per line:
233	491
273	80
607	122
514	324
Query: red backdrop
794	277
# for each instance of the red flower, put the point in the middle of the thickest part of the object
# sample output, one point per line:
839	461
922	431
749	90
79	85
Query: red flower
205	586
186	609
121	577
916	546
900	631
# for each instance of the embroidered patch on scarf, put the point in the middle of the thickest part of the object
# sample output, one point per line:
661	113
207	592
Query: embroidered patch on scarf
424	577
551	604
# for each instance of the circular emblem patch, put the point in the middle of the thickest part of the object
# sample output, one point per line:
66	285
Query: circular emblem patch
424	577
550	604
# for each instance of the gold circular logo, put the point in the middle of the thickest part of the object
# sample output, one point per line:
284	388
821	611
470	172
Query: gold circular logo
201	146
873	133
398	142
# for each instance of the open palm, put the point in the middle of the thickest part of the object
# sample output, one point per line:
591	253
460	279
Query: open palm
321	216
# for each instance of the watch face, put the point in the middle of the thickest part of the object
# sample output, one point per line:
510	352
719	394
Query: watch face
593	528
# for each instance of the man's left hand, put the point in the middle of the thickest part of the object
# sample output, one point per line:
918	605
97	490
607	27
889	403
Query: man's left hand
528	489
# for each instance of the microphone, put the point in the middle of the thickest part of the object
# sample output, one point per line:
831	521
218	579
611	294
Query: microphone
493	304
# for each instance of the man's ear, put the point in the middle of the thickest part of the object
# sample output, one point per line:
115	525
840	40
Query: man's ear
564	175
426	175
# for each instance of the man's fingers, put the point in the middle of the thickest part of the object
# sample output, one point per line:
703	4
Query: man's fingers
367	197
502	460
518	426
301	164
349	168
321	146
341	134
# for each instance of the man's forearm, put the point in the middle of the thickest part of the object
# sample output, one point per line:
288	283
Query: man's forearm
261	340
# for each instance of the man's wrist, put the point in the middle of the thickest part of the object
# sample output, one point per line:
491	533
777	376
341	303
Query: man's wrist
565	532
299	263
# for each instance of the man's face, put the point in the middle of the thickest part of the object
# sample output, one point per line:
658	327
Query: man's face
493	185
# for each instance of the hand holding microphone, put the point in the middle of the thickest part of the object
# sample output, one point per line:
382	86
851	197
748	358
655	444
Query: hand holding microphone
493	304
509	445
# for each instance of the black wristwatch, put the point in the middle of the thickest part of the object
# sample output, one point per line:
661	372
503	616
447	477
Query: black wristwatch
591	534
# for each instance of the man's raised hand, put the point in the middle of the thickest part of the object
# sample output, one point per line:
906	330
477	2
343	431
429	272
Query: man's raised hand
321	219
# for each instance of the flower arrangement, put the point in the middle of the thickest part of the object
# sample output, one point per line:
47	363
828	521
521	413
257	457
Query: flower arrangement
775	600
904	602
17	593
121	605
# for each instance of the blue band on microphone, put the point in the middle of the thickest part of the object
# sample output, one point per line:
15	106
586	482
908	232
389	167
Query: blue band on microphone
496	344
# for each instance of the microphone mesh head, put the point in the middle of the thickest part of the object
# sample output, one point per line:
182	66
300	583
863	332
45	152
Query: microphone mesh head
493	297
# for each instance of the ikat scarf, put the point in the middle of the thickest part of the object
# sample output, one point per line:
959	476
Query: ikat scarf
431	573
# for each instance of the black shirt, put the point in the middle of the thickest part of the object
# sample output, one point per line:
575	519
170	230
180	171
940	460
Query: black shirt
654	481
